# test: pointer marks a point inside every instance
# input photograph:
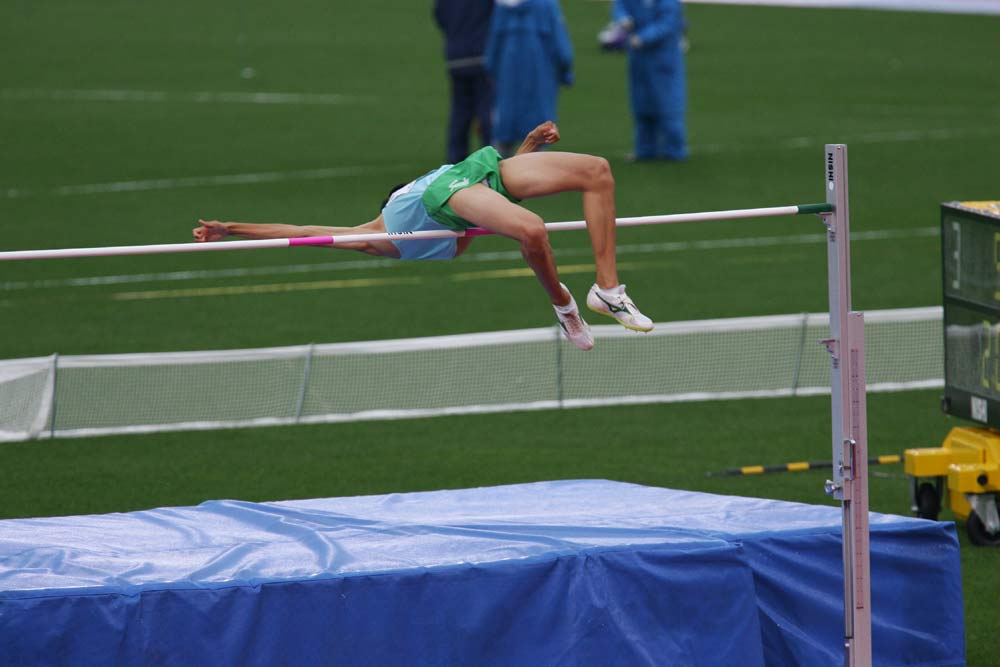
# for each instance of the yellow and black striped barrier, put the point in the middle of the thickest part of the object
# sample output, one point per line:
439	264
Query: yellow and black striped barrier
798	466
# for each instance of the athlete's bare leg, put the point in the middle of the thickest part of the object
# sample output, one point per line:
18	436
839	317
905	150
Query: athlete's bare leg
539	174
491	210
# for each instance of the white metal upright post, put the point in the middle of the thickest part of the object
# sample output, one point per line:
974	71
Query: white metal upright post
848	406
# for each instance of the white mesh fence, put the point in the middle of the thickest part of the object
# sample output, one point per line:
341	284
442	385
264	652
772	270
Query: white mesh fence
67	396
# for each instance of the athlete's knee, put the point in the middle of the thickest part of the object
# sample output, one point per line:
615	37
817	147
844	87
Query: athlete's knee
533	233
599	173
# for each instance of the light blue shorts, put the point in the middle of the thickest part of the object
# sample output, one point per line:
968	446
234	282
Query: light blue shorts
405	212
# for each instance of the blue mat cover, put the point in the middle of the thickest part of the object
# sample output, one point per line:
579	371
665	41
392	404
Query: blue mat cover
578	572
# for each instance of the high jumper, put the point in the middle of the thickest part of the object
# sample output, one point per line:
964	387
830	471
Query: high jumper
484	191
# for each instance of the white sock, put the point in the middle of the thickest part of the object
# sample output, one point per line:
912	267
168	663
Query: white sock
617	290
569	307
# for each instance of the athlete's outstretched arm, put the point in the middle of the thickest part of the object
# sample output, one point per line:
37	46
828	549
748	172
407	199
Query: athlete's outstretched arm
214	230
546	133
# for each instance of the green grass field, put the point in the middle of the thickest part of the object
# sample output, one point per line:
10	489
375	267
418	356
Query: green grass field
913	95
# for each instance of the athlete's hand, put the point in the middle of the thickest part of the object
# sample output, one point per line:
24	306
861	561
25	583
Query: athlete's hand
210	230
546	133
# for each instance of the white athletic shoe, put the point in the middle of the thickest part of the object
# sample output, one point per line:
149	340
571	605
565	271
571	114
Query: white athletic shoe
616	304
573	326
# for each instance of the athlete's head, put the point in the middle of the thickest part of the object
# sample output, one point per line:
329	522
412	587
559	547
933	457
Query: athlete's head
389	196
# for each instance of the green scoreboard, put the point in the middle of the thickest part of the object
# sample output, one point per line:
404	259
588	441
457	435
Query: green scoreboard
970	253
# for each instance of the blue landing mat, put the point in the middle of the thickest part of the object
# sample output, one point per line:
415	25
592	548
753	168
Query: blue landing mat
581	572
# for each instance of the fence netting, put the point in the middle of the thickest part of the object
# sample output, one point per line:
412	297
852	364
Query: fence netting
69	396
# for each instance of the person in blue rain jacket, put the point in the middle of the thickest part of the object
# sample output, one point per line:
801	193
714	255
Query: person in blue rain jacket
465	25
657	78
529	55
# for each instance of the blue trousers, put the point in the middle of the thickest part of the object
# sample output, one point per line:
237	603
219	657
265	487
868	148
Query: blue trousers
471	98
659	136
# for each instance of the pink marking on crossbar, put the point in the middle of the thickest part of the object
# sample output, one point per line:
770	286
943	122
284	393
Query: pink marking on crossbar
477	231
311	240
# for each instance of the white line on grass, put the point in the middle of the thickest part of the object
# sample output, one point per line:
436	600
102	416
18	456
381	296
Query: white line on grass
368	264
164	96
793	143
273	288
942	6
879	137
198	181
896	110
210	274
312	285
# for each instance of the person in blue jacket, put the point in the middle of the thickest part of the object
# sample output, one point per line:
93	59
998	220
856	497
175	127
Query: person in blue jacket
529	55
465	25
657	78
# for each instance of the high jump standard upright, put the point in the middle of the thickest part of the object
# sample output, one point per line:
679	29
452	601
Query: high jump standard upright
846	346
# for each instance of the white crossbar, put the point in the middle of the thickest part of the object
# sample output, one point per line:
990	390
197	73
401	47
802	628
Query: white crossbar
109	251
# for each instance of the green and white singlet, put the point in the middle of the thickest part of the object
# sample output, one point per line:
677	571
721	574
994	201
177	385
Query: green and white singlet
423	204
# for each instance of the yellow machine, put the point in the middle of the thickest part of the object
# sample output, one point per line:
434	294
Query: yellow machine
966	471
